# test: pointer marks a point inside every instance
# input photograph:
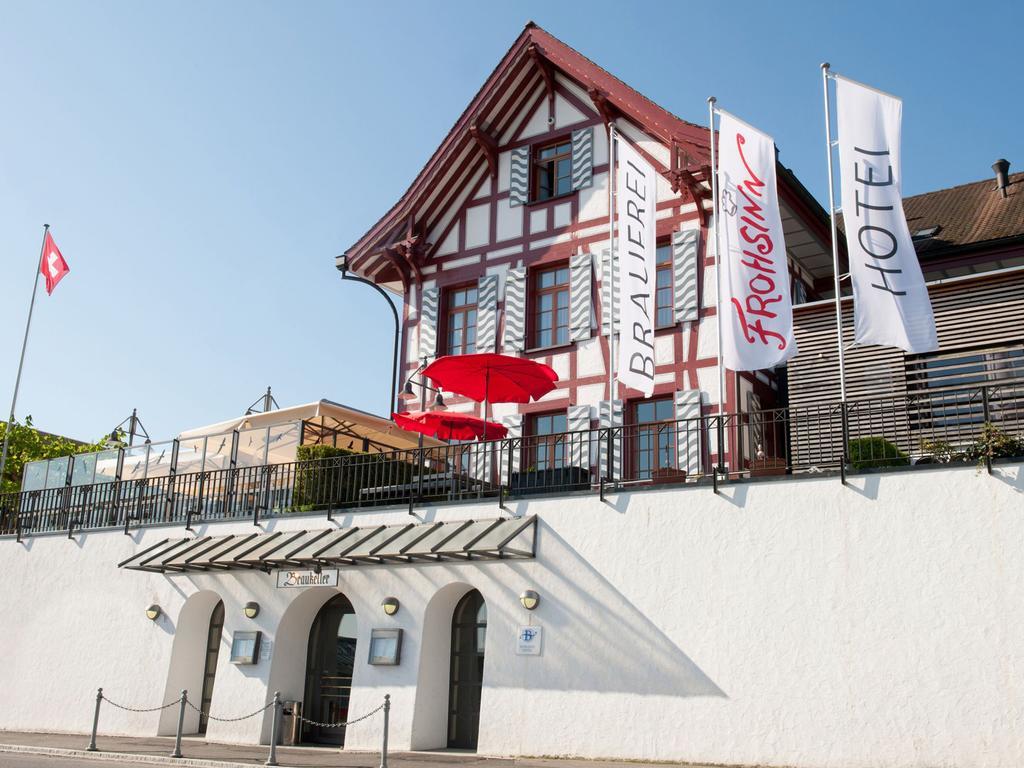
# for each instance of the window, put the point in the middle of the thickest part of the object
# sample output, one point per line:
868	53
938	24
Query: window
664	302
547	440
655	437
461	321
551	307
552	170
945	386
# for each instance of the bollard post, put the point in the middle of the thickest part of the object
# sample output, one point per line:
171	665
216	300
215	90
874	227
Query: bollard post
387	718
95	722
275	727
181	723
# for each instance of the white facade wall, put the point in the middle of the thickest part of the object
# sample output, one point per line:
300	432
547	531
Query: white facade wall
794	622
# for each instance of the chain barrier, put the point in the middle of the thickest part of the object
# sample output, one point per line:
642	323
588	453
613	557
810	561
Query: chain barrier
340	725
137	709
208	716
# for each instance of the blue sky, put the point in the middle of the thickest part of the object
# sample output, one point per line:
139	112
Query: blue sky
201	164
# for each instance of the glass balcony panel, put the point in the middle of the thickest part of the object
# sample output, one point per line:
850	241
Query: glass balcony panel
284	442
135	462
159	459
34	475
57	472
84	470
218	452
106	466
190	456
252	447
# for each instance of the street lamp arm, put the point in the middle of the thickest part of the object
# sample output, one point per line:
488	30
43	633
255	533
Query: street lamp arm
342	266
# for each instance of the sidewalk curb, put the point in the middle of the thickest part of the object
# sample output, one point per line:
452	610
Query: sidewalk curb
84	754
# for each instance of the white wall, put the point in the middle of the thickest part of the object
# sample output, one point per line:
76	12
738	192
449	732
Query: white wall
792	622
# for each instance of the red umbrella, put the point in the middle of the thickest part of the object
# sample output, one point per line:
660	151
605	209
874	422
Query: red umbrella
445	425
490	377
487	376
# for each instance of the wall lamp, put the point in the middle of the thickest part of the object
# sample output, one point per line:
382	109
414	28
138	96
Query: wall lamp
251	610
153	612
390	605
529	599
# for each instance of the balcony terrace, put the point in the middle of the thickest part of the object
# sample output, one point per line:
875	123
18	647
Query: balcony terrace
974	425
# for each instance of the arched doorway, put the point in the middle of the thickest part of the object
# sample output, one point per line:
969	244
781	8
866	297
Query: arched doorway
469	631
210	669
329	664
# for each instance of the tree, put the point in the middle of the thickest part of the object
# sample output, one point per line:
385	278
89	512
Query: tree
29	444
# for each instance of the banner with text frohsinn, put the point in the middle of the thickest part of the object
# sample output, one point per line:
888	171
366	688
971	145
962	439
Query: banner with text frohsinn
891	304
757	314
635	185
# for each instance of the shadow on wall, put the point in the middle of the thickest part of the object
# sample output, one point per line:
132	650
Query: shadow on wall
602	642
430	713
288	665
188	660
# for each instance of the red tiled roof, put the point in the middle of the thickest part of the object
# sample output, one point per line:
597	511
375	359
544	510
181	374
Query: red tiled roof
969	214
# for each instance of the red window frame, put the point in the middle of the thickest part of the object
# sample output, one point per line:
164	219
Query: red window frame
468	312
540	306
556	167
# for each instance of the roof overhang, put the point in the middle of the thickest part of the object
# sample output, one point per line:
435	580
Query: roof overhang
454	541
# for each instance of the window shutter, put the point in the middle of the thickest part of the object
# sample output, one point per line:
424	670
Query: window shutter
428	322
684	274
487	313
514	424
519	177
606	279
688	433
617	441
578	417
515	310
582	158
579	296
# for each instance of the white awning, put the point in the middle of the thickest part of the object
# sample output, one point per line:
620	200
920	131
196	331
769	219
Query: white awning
350	421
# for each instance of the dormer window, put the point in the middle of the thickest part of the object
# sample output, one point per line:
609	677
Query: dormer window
552	170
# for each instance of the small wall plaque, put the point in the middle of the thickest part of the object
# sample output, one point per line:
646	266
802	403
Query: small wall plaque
245	647
385	647
528	641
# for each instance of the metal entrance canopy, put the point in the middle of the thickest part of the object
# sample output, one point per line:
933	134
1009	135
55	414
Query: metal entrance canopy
500	539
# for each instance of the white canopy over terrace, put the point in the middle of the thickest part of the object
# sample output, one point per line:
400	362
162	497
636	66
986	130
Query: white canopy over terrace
324	417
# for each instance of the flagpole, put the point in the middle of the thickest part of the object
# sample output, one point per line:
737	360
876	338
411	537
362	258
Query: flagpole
825	74
21	361
718	282
611	274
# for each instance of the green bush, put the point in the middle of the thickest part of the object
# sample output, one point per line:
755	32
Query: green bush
994	443
871	452
326	476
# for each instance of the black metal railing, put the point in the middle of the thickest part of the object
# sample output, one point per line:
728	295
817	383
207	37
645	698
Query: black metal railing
969	425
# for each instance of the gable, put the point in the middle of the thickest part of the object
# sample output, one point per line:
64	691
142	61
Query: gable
540	87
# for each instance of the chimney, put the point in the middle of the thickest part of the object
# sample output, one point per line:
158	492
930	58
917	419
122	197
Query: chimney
1002	169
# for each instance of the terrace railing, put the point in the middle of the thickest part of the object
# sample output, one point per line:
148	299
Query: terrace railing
932	427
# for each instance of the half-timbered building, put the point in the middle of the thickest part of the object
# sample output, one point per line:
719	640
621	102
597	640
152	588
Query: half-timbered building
500	244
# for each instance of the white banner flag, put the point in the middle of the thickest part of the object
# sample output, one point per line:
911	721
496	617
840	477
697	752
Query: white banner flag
757	313
891	304
635	185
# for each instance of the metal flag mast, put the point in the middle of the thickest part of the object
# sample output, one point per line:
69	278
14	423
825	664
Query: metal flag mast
24	344
825	76
718	286
610	306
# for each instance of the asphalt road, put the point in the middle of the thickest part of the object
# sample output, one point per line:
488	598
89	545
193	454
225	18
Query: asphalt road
14	760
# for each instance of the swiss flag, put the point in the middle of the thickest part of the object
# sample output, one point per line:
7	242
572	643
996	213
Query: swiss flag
52	264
